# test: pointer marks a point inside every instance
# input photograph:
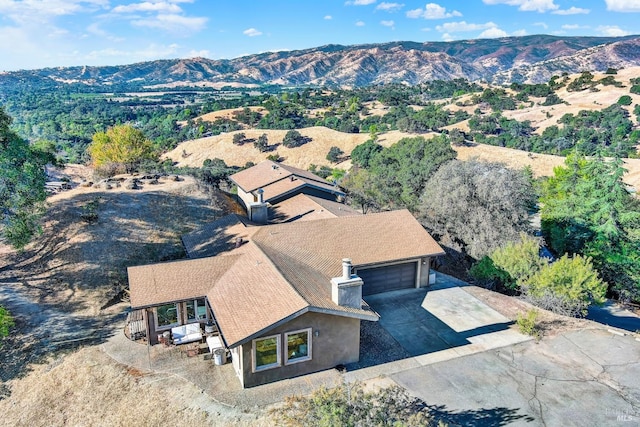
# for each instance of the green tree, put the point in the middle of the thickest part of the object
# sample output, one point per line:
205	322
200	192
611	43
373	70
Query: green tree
238	138
293	139
121	145
625	100
362	154
587	210
571	283
401	171
335	154
262	143
22	185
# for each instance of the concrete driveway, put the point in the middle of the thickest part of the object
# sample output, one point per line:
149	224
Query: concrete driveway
581	378
443	321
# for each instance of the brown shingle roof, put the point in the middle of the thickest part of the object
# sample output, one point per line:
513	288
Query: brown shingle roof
268	172
303	207
217	236
366	239
252	296
284	269
166	282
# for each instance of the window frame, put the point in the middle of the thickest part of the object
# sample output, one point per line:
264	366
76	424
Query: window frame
178	322
195	310
254	354
309	355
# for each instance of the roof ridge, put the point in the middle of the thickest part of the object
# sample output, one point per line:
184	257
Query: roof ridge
280	273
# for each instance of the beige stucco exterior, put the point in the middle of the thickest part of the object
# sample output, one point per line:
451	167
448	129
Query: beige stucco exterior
335	341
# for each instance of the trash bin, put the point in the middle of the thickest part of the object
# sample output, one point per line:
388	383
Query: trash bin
219	356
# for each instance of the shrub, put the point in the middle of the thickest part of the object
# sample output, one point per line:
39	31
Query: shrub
6	322
486	272
262	143
568	286
520	260
275	157
527	323
635	89
350	405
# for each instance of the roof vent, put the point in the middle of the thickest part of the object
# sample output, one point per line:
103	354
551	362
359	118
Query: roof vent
293	178
274	167
239	242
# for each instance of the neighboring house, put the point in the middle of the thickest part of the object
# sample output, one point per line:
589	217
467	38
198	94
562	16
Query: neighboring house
287	297
280	182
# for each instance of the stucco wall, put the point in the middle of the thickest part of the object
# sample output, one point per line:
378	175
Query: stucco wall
338	342
246	198
425	263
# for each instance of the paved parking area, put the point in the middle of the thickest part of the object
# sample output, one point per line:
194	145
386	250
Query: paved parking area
580	378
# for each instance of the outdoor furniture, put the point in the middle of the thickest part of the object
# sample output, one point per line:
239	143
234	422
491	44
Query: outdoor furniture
186	333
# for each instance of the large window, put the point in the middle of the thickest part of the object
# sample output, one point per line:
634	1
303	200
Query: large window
167	316
266	353
298	346
196	310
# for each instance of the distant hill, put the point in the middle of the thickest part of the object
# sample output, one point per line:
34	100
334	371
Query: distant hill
529	58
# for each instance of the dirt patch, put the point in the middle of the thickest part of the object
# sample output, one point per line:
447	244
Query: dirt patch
65	289
551	324
89	388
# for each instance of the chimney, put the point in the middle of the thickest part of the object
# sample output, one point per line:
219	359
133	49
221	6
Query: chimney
346	268
347	289
258	211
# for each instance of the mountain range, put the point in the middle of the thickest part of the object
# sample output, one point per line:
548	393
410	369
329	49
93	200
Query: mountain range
530	59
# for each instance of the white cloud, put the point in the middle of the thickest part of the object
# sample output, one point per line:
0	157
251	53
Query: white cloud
527	5
492	33
572	11
447	37
360	2
148	7
252	32
172	23
541	24
359	24
574	27
519	33
389	24
623	5
38	12
328	17
389	7
463	26
612	31
432	11
152	51
96	30
204	53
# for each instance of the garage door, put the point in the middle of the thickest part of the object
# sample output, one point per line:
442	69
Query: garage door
389	278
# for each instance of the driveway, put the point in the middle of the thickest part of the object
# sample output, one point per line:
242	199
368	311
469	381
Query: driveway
442	318
581	378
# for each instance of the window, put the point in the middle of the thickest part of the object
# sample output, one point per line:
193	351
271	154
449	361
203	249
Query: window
266	353
166	316
298	346
196	310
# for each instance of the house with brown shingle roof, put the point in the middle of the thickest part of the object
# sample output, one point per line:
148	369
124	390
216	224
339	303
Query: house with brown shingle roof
287	298
280	182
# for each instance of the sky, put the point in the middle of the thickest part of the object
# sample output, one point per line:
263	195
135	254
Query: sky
51	33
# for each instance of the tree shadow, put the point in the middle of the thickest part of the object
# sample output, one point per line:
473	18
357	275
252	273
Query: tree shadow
485	417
